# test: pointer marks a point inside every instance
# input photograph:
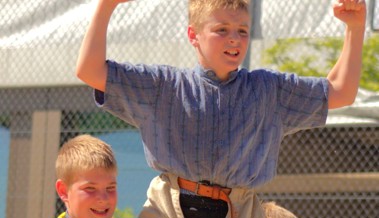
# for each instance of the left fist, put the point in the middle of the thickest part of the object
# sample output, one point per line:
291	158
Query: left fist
351	12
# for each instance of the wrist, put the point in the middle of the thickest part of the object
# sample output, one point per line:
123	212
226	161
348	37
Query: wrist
107	5
356	28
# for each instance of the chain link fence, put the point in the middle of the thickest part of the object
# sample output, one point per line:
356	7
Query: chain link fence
323	172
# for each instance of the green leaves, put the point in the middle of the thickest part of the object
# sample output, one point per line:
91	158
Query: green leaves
317	56
125	213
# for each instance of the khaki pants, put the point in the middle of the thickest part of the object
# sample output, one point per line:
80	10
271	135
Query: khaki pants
163	200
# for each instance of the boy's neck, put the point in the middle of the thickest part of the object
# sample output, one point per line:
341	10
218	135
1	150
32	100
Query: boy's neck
220	76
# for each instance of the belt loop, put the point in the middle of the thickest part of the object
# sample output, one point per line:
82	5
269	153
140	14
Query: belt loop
216	192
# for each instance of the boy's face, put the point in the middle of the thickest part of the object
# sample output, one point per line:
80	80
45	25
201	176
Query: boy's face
222	41
93	194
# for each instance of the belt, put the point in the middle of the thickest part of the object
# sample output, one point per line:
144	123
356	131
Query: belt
215	192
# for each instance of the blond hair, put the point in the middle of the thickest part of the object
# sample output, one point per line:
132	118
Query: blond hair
83	153
198	9
272	210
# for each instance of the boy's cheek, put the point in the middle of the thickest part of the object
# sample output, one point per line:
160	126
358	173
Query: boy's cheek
114	197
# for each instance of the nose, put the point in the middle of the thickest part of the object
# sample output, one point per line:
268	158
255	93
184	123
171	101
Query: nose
234	37
103	196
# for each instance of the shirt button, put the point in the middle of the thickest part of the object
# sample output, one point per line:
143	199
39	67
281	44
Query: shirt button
210	73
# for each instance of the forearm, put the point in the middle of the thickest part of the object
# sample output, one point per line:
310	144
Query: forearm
91	66
345	75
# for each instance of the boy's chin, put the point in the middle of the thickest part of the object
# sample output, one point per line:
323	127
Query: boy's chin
233	66
232	69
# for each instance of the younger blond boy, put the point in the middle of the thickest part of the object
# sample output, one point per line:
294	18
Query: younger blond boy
86	172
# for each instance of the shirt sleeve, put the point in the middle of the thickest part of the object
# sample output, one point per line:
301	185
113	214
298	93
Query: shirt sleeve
131	90
302	102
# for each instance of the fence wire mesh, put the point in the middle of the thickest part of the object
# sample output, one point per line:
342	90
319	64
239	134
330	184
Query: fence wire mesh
323	172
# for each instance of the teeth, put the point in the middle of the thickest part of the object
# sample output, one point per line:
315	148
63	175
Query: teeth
100	211
232	52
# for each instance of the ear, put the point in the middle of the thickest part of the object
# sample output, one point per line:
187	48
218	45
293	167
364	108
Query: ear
62	190
192	36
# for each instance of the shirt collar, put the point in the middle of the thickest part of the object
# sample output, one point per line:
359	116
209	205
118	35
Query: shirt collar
210	75
67	215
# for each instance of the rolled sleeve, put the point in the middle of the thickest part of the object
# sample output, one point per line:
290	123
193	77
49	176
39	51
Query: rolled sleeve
303	102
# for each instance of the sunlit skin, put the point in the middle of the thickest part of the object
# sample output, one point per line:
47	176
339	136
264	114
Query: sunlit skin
222	41
93	194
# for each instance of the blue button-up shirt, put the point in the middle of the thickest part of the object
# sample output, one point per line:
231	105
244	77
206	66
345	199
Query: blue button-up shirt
200	128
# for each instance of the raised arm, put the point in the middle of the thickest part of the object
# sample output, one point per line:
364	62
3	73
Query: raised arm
91	67
345	75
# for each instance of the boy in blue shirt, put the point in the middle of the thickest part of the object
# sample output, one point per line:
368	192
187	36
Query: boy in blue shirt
214	131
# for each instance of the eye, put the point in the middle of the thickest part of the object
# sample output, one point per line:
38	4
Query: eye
221	30
111	188
243	32
89	189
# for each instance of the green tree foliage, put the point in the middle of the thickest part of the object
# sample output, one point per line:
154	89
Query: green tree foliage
315	57
5	120
125	213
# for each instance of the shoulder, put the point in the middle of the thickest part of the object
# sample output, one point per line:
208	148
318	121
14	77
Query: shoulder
261	77
281	78
261	73
140	67
157	72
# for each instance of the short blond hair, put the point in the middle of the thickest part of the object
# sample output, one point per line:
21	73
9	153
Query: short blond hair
198	9
83	153
272	210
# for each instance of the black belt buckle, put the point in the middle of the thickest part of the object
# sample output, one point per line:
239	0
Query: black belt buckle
205	182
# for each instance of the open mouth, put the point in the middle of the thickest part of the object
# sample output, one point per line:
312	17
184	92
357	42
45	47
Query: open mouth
233	53
100	212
